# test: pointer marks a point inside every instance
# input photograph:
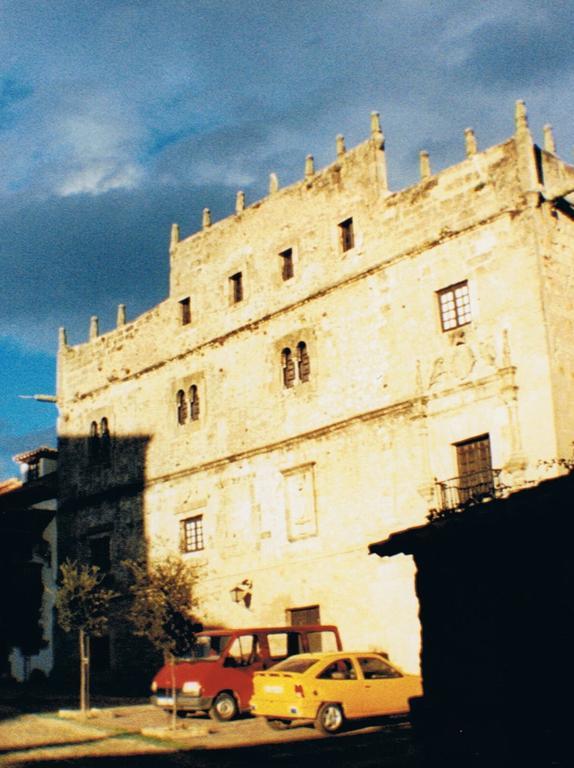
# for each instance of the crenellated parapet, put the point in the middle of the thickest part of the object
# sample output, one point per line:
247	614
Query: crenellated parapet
305	221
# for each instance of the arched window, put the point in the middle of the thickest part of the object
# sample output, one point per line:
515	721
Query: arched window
288	366
105	441
303	361
194	402
181	407
93	443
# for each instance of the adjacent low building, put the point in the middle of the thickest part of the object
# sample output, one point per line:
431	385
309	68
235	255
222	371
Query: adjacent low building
333	363
28	565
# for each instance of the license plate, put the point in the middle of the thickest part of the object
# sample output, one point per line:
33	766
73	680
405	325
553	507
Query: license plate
273	689
164	701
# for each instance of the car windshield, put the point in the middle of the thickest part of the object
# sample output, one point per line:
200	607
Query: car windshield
208	647
295	664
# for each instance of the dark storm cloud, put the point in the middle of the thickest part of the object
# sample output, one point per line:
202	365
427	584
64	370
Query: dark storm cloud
522	51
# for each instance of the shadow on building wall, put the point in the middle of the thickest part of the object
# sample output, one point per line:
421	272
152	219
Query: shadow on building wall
101	522
23	554
495	586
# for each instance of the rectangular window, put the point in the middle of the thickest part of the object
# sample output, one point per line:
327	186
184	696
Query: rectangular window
236	286
100	553
454	306
475	480
192	534
346	234
300	504
287	264
311	614
185	311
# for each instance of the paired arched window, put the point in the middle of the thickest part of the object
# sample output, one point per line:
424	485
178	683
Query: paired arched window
296	368
99	442
188	405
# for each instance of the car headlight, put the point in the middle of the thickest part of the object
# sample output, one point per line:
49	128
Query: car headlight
154	687
192	687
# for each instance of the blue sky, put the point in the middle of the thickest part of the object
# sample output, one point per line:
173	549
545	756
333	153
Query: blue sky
118	117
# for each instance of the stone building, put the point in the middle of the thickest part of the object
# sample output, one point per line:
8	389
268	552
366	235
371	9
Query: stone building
333	363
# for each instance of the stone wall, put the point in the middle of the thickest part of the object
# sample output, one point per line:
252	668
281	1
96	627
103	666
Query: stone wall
292	482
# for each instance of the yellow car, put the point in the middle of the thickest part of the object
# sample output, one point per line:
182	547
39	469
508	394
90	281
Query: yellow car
330	688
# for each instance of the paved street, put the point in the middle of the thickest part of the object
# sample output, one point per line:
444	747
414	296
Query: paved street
140	736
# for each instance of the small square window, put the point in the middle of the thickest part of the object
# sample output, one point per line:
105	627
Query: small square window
185	311
287	264
192	534
454	306
347	235
236	286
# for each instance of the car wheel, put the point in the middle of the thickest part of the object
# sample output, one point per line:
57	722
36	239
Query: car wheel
277	725
224	707
330	718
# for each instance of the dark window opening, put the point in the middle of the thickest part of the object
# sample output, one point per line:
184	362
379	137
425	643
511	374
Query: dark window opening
303	362
236	282
105	442
309	615
100	553
194	402
454	306
181	407
288	365
185	311
474	461
347	235
94	443
191	532
287	264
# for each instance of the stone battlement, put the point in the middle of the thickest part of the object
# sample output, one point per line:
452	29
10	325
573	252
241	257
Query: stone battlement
303	223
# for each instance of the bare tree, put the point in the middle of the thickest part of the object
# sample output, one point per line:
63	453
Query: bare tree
163	608
82	604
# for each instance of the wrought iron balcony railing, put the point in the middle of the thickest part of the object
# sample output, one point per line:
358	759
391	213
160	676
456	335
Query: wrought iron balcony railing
459	493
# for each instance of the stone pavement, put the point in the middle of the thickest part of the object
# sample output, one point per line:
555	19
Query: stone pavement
133	730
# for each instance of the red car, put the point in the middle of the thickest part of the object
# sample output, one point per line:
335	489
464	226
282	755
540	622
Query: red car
218	676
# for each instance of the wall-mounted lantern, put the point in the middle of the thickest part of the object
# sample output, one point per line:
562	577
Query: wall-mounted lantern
242	593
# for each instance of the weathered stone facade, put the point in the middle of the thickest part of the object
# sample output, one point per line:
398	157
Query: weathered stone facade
321	390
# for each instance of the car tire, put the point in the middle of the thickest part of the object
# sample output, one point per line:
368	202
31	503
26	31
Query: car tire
330	718
224	707
277	725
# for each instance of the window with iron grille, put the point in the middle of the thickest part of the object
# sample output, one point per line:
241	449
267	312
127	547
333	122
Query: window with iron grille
346	235
236	286
454	306
191	532
288	365
194	402
303	362
185	311
474	461
181	407
287	264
